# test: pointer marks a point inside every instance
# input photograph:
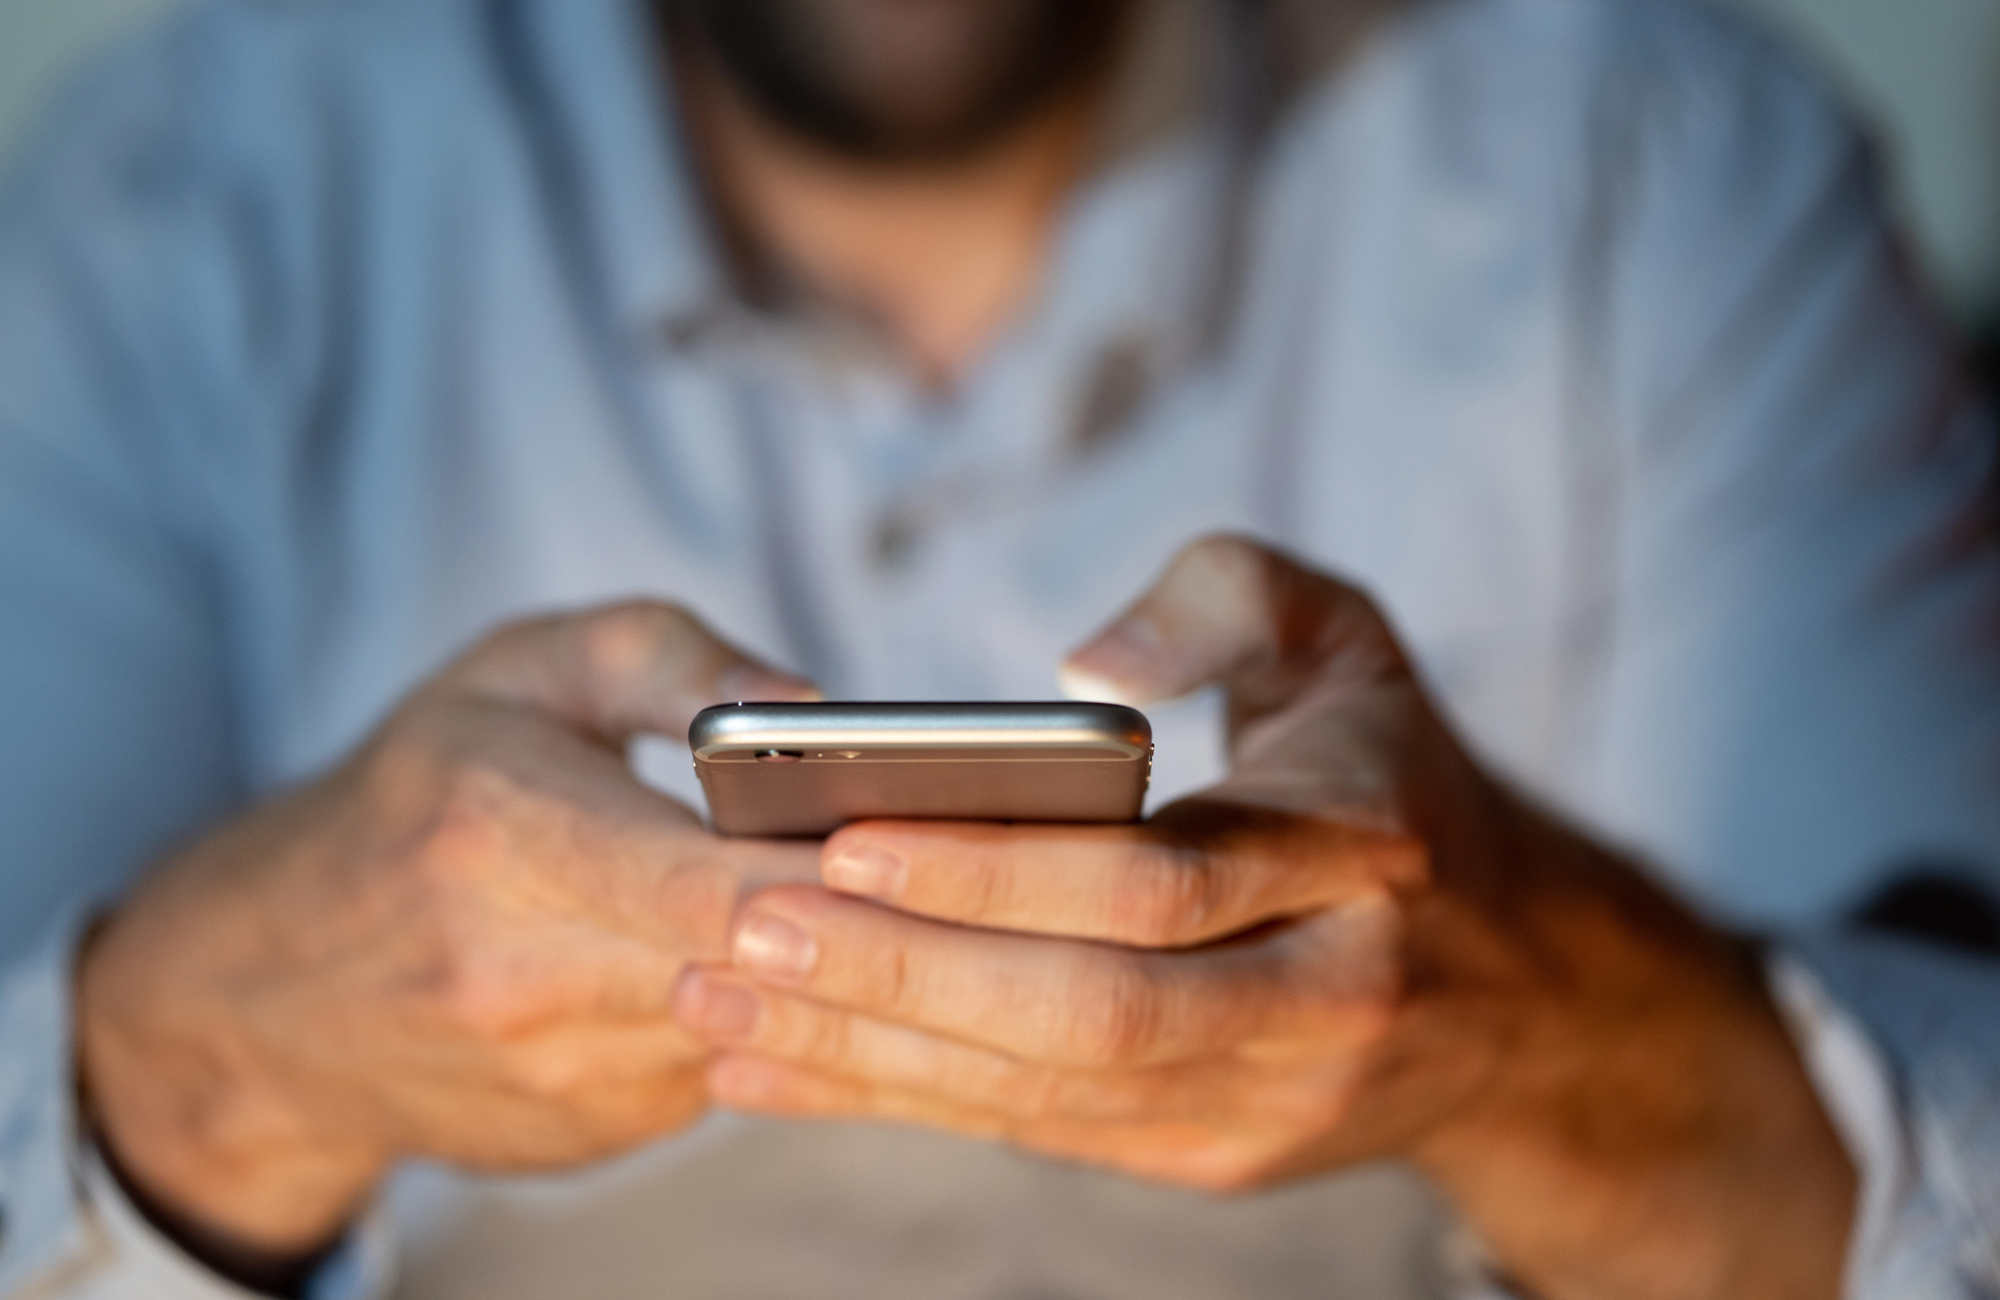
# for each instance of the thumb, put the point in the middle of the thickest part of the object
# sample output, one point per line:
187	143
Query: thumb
1231	612
621	670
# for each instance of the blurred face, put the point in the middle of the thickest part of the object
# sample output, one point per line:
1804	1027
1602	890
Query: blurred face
902	81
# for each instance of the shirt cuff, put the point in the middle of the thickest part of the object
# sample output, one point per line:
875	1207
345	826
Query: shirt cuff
45	1237
362	1268
1859	1095
1920	1117
67	1229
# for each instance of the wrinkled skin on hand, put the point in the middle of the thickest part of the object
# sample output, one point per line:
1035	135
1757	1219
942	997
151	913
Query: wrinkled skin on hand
1357	945
458	945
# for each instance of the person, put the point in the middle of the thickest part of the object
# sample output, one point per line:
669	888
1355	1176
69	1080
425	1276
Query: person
899	344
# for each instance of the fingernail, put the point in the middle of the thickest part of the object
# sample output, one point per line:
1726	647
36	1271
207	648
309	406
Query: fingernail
750	682
866	870
717	1009
771	946
1114	666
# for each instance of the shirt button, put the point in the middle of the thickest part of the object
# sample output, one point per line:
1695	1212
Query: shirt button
894	544
1117	388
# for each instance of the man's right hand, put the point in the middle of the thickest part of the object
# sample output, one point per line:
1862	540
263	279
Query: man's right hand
459	945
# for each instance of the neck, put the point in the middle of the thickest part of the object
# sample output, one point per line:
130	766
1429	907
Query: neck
943	257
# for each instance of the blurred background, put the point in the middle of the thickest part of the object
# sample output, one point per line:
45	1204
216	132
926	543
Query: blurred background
1925	73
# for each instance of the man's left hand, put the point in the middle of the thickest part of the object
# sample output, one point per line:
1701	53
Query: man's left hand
1357	945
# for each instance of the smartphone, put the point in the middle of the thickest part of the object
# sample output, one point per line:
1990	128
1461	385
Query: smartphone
805	769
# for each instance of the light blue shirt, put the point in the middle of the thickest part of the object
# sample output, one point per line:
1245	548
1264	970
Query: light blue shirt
334	332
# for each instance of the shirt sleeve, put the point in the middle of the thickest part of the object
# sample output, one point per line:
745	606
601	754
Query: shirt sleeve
117	720
1804	586
1904	1051
148	1265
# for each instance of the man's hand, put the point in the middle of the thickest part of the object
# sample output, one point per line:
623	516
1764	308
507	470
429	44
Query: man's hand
459	945
1357	945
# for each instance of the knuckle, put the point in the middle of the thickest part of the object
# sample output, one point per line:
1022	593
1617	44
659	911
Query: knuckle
464	836
899	983
888	980
456	870
426	808
477	994
982	885
1171	903
825	1039
1029	1092
692	901
1117	1021
619	641
542	1071
401	776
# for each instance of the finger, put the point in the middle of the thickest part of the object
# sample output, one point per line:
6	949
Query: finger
1199	870
761	1086
1067	1002
622	670
736	1015
1232	612
573	1061
1193	1153
518	1131
740	1017
550	1103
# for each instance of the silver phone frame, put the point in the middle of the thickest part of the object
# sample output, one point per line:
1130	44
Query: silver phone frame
821	728
813	738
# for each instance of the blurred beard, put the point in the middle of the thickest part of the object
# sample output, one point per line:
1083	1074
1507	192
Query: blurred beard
901	82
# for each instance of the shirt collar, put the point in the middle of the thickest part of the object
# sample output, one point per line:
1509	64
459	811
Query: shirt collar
623	158
644	223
